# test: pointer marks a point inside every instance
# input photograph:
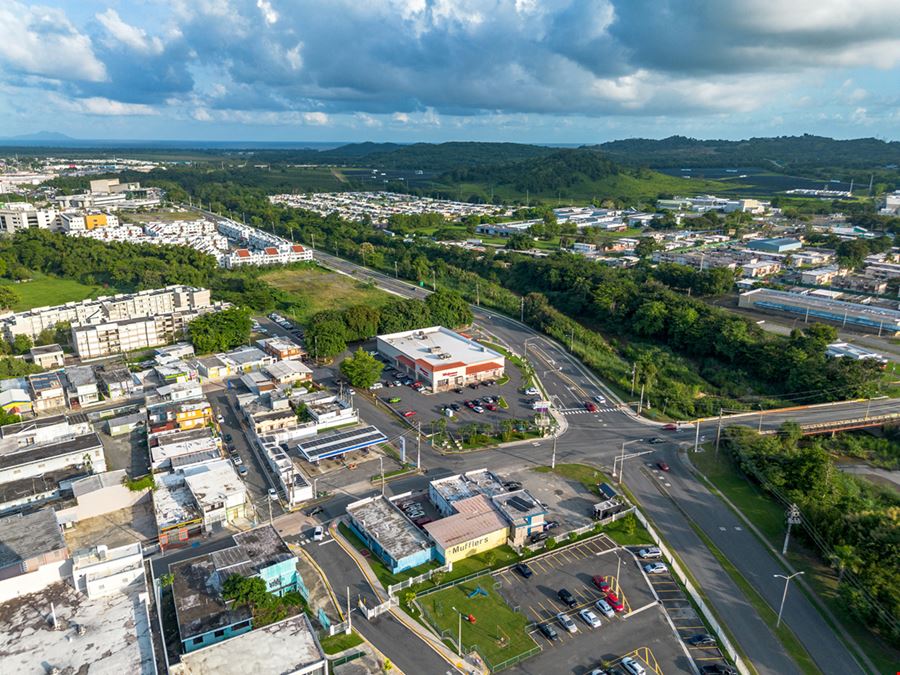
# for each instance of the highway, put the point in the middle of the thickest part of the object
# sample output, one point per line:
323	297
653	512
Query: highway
676	510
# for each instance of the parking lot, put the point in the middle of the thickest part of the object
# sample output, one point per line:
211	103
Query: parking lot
640	627
568	501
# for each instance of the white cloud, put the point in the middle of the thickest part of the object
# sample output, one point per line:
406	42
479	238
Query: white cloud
315	118
97	105
201	115
268	12
400	117
368	120
131	36
42	41
430	116
294	59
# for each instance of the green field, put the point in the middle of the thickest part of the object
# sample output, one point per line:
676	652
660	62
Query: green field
769	518
498	633
42	290
313	289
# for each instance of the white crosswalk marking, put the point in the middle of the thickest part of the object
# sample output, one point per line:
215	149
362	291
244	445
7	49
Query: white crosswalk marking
580	411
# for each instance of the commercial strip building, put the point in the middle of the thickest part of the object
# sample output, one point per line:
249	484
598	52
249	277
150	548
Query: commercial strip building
15	216
337	443
440	358
472	513
853	352
877	319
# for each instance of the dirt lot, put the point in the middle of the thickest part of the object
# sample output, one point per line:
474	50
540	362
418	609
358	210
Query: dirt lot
118	528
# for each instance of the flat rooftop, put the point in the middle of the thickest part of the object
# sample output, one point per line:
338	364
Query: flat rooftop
476	517
283	647
173	502
199	605
117	633
28	536
463	486
518	505
439	347
823	307
31	454
390	528
212	483
340	442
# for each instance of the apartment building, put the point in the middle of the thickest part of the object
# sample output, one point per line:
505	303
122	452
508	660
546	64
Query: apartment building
16	216
105	309
95	341
270	255
72	222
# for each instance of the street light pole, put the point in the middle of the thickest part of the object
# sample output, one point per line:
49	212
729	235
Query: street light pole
381	464
787	580
553	458
718	432
697	437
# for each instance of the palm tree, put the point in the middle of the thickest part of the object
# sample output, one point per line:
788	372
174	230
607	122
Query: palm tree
845	558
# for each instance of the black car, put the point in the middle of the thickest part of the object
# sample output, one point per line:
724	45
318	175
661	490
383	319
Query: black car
458	390
455	406
656	440
566	598
524	570
548	631
538	536
512	485
550	524
474	385
228	438
718	669
314	511
701	640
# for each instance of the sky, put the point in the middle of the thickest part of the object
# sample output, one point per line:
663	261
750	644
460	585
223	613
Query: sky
539	71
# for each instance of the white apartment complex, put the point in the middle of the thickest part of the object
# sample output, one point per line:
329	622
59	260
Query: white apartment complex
95	340
104	309
16	216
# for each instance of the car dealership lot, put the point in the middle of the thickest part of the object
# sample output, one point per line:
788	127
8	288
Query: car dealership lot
641	624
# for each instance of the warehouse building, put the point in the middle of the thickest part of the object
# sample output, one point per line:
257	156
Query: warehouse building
475	527
440	358
875	319
778	245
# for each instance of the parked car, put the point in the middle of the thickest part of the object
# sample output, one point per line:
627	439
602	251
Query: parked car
604	608
589	618
566	597
228	438
236	458
702	640
662	466
242	470
220	418
491	407
409	413
538	536
551	524
548	631
458	390
273	494
474	385
566	623
601	583
532	391
314	511
375	386
655	568
614	602
631	666
650	552
524	570
590	407
394	399
455	407
318	533
478	409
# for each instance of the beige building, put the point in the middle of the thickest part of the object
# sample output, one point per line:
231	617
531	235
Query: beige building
16	216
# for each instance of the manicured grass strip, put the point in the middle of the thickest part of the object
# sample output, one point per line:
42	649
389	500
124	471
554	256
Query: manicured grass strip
335	644
499	633
385	576
43	290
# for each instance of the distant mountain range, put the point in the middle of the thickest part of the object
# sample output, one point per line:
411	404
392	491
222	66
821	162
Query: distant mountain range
40	136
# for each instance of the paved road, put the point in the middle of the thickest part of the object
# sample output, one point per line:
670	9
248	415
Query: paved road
598	438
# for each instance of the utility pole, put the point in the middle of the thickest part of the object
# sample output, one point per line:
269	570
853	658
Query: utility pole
433	280
553	458
759	430
396	274
641	401
419	446
697	437
522	310
787	580
633	376
349	616
381	465
477	294
718	432
793	518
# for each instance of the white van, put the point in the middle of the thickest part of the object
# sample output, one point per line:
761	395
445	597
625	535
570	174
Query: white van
375	386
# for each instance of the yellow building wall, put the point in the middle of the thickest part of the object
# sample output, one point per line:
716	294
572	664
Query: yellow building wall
95	220
193	418
483	543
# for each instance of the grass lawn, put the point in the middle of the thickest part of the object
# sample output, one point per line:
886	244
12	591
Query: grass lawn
43	290
334	644
582	473
499	633
313	289
768	516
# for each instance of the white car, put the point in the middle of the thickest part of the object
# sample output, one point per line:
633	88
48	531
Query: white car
655	568
651	552
604	608
220	418
237	460
589	618
599	399
566	623
631	666
273	494
319	533
532	391
377	385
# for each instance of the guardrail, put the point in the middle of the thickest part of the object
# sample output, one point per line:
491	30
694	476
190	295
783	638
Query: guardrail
675	567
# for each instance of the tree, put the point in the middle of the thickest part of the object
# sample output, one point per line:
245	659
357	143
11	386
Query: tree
167	580
21	344
245	590
645	247
362	369
8	297
220	331
326	337
448	308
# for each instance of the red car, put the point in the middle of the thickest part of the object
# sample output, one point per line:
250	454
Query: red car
662	466
409	413
590	407
614	602
601	583
670	427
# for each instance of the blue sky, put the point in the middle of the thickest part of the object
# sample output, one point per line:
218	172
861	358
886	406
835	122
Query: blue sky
555	71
